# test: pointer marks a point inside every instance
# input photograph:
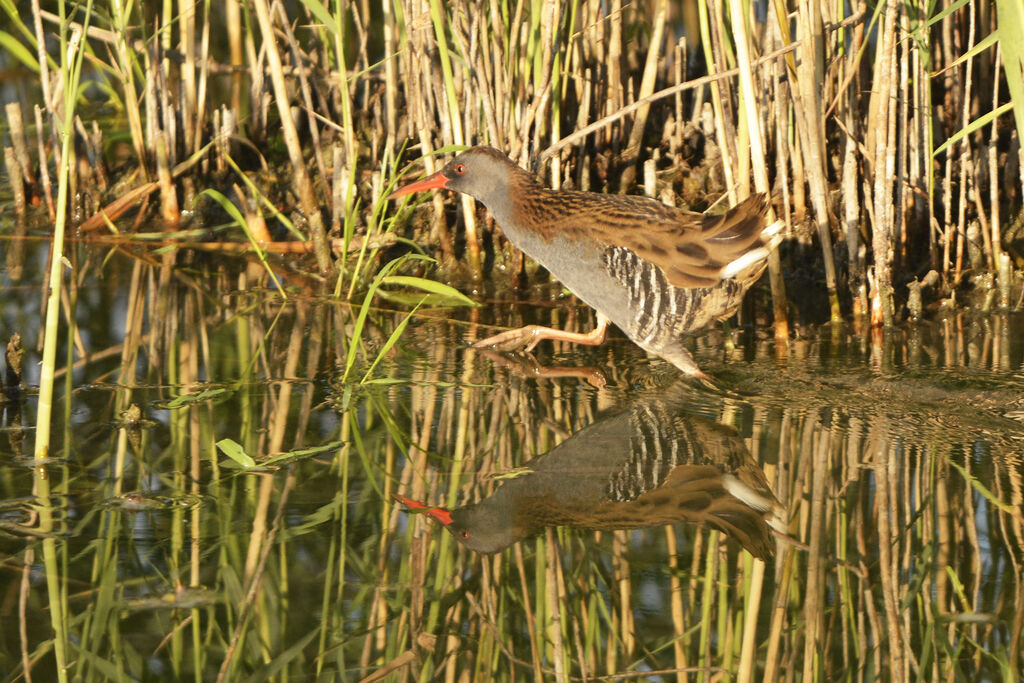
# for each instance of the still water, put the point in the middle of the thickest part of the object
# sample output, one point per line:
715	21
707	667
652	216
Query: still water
224	467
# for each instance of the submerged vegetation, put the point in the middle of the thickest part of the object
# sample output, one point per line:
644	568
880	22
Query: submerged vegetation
214	502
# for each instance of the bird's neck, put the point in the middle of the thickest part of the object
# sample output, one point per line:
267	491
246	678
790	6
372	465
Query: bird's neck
508	202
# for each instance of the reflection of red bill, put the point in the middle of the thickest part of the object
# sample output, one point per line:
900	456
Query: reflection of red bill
436	181
440	514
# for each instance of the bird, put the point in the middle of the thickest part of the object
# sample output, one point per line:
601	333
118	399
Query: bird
649	464
655	271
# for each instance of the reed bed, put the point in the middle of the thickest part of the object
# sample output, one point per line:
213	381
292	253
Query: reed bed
889	129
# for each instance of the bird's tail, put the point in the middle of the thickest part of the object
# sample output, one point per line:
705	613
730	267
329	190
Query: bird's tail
755	258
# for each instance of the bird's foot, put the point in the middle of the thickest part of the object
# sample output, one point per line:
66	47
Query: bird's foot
525	338
528	337
527	366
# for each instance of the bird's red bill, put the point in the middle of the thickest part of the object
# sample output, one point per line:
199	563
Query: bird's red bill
431	182
440	514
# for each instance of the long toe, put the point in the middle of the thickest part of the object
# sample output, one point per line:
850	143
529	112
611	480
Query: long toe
511	339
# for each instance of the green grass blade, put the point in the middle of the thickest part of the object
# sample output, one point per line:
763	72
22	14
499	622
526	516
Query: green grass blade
13	47
440	289
234	450
1011	40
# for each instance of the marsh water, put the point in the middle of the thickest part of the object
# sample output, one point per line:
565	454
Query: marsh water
223	462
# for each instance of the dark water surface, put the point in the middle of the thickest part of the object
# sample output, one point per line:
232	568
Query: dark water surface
892	464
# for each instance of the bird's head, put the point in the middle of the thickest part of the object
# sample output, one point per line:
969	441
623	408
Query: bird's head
481	172
477	527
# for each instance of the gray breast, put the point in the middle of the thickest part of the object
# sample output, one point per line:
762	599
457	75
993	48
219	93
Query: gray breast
579	266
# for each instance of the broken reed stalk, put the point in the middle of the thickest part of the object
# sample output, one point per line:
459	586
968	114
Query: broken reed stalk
711	38
189	105
345	154
883	167
966	159
44	171
995	233
757	159
851	218
16	129
453	116
17	185
168	196
126	65
301	181
632	149
808	102
305	97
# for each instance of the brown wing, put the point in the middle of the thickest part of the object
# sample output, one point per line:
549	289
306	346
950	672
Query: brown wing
694	253
691	249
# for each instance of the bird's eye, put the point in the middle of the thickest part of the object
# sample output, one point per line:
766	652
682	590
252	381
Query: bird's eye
464	534
460	169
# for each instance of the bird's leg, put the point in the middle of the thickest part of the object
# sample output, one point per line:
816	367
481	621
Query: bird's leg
531	335
527	366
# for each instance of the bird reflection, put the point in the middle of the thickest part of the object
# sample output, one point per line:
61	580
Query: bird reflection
649	465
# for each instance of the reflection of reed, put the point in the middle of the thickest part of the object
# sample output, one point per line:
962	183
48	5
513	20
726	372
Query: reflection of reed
825	437
899	462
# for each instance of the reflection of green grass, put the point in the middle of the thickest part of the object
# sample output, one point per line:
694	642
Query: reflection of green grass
298	564
240	221
54	556
437	290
